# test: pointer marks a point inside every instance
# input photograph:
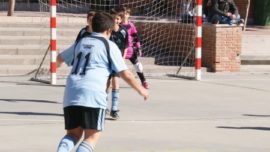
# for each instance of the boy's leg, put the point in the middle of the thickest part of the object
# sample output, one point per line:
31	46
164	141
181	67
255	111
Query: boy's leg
115	97
68	142
74	131
108	91
139	69
215	19
91	138
108	84
226	20
94	120
238	20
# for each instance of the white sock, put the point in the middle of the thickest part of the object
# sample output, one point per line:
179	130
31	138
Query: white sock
85	147
66	144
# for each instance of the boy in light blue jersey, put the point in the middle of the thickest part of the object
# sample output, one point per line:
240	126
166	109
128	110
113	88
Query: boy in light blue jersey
85	92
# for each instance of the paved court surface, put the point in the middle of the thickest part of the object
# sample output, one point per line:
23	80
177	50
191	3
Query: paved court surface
222	113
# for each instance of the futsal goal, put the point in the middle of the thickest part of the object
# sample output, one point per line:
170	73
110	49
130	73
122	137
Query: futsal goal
170	30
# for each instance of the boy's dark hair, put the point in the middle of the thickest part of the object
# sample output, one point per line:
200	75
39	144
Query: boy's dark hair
117	12
102	22
126	9
91	13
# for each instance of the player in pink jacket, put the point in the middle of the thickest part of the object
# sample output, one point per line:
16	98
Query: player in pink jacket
134	47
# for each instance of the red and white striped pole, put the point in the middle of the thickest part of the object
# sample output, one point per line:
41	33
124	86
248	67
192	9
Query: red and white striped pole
53	66
198	51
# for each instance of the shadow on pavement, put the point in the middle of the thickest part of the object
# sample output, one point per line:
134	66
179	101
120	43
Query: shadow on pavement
32	113
248	128
29	100
41	84
31	83
252	115
110	119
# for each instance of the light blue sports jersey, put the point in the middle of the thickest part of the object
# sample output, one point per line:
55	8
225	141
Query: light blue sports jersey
68	55
86	84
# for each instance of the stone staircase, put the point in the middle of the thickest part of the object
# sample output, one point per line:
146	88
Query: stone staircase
256	46
255	57
24	41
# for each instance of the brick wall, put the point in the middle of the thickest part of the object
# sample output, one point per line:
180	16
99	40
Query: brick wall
221	47
242	6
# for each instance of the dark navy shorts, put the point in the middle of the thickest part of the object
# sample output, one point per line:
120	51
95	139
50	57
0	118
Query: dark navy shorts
84	117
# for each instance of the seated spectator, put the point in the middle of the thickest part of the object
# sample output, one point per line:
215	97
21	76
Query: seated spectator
187	11
223	12
205	9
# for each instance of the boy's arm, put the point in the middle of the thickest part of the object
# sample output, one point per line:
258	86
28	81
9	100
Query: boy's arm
136	39
126	45
59	60
130	79
234	8
135	35
119	66
125	53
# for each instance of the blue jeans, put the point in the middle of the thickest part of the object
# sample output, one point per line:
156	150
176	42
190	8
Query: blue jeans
220	19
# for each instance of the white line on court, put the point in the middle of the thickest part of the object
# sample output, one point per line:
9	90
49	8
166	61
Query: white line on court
31	120
170	121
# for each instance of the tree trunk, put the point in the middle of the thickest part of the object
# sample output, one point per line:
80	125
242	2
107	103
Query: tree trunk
11	7
247	13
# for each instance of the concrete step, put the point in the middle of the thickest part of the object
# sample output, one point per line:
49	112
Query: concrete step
258	30
255	49
250	44
144	61
255	59
256	68
31	69
255	38
20	60
36	60
36	40
15	31
256	53
28	69
6	70
75	20
27	49
41	25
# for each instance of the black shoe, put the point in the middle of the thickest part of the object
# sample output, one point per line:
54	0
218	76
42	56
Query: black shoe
114	114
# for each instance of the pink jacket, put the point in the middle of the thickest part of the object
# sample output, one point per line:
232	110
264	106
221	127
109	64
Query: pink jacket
132	38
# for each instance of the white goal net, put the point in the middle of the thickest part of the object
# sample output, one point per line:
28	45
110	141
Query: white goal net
166	27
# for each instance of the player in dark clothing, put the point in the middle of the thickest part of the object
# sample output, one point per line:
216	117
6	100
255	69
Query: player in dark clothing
88	27
120	38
